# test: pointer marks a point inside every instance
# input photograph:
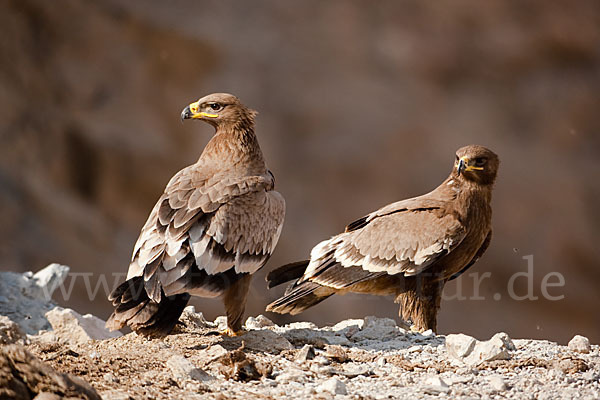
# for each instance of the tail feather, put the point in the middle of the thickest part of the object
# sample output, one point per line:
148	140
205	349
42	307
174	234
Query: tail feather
134	308
286	273
299	298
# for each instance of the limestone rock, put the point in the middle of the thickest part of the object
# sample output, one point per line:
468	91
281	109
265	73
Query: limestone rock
115	395
435	385
334	386
73	327
307	352
266	341
502	337
497	383
336	353
212	353
27	297
376	329
460	345
291	375
259	322
183	370
473	352
10	332
193	319
580	344
220	322
47	396
46	281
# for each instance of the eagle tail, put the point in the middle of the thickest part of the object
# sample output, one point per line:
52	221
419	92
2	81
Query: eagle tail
299	298
134	308
286	273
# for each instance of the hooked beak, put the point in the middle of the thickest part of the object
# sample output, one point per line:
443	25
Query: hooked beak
464	166
193	112
186	113
461	166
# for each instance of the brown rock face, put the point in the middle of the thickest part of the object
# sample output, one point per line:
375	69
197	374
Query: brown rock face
358	107
23	377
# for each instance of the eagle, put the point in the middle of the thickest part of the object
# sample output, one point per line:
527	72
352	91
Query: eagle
408	249
216	223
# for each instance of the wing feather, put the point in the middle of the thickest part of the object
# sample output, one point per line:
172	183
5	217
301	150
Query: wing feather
404	238
210	226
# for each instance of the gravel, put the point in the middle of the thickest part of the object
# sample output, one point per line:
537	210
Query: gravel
372	358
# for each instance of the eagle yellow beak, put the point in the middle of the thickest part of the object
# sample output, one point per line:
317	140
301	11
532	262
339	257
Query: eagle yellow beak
464	166
193	112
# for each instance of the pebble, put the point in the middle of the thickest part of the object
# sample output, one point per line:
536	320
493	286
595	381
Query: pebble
258	322
460	345
497	383
435	384
334	386
306	353
182	369
580	344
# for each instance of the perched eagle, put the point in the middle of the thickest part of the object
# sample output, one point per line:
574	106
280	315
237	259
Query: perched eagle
216	223
408	249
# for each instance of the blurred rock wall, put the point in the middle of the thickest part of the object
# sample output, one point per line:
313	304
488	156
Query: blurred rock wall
361	103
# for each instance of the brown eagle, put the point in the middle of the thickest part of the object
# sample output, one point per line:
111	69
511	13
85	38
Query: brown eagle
408	249
216	223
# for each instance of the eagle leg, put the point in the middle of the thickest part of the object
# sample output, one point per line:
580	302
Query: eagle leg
420	303
234	299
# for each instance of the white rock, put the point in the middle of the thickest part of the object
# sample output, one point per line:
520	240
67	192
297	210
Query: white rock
266	341
435	384
473	352
306	353
26	297
376	329
47	280
497	383
212	353
10	332
460	345
376	322
193	318
259	322
301	325
348	323
114	395
487	351
221	322
322	360
334	386
182	369
291	375
504	339
71	326
580	344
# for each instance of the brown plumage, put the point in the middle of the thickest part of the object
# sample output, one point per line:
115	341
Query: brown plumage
408	249
217	223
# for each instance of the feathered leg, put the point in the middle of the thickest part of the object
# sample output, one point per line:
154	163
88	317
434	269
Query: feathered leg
420	303
234	299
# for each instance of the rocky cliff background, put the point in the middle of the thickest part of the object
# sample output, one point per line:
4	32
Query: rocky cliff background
360	104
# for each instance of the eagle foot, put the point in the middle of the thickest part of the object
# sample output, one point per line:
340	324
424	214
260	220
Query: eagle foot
231	333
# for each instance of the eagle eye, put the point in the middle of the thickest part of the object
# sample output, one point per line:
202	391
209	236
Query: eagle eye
480	161
215	106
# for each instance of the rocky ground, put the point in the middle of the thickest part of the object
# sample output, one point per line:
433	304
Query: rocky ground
370	358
